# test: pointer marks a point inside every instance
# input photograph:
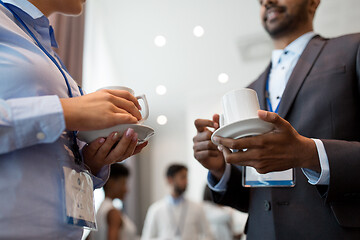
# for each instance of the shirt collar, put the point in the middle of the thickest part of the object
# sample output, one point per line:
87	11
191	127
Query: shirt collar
175	201
296	47
34	17
27	7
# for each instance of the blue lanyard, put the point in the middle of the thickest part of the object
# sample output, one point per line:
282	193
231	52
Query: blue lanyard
75	147
267	96
43	49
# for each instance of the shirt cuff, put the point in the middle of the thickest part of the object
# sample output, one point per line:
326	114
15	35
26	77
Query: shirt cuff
314	177
101	178
220	186
29	121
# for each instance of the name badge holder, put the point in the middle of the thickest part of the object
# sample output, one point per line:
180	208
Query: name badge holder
251	178
79	198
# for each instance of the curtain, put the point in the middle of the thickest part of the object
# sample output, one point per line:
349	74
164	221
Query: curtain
69	33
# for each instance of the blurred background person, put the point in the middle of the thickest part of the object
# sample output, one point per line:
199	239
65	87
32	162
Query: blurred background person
176	217
113	224
222	219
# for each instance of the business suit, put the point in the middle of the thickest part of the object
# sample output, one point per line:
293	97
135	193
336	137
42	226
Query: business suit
321	100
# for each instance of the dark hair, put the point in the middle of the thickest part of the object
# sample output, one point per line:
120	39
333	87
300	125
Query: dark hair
118	170
173	169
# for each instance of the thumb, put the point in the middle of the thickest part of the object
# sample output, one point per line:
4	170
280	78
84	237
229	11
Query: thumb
216	119
273	118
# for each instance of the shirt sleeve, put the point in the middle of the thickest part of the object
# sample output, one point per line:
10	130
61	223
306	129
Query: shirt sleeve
222	184
29	121
322	178
204	225
100	179
150	231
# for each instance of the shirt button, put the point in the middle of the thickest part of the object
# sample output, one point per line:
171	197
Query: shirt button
40	136
267	206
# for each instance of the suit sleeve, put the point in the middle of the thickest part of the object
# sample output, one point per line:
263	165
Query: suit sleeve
236	196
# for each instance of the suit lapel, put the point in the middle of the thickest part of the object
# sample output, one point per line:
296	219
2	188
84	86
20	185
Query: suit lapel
299	74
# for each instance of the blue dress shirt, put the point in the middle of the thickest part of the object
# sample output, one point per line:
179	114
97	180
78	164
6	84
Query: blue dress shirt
34	144
283	62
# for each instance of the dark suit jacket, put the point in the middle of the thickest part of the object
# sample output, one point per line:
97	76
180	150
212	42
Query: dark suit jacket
321	100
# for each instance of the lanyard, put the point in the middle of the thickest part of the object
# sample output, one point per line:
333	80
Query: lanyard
75	147
267	96
181	221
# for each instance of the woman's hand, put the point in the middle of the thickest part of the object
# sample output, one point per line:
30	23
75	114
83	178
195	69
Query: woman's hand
101	109
114	148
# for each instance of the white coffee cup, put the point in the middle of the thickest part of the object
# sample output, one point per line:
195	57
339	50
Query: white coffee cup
144	109
239	105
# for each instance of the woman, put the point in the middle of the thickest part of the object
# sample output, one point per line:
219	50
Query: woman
112	223
45	183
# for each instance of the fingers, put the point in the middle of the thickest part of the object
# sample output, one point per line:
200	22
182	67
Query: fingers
273	118
124	94
128	106
242	158
202	124
125	147
121	118
110	141
216	120
204	145
202	136
140	147
206	154
243	143
94	146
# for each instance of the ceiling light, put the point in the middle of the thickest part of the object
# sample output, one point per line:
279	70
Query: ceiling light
161	90
160	41
161	120
223	78
198	31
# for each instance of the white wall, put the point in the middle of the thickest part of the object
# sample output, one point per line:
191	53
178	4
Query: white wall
120	50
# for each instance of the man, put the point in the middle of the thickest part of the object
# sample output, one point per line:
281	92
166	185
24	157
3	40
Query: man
314	84
175	217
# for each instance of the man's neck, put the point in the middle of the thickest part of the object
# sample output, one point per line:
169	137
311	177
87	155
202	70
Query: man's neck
175	195
283	42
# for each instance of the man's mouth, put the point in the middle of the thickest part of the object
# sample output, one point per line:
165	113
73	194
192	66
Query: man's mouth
272	13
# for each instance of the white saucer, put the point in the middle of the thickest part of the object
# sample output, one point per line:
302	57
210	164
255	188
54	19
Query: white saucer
243	128
144	132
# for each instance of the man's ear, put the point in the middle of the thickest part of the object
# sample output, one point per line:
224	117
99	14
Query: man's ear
170	180
314	4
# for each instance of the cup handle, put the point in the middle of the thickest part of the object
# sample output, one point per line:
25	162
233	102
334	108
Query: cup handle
145	109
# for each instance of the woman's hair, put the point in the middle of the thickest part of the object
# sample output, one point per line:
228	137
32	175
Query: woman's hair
118	170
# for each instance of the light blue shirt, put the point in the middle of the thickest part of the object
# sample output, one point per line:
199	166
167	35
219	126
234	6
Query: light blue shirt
283	62
34	145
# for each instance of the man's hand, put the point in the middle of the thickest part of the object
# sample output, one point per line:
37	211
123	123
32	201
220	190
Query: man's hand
204	150
114	148
101	109
279	150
